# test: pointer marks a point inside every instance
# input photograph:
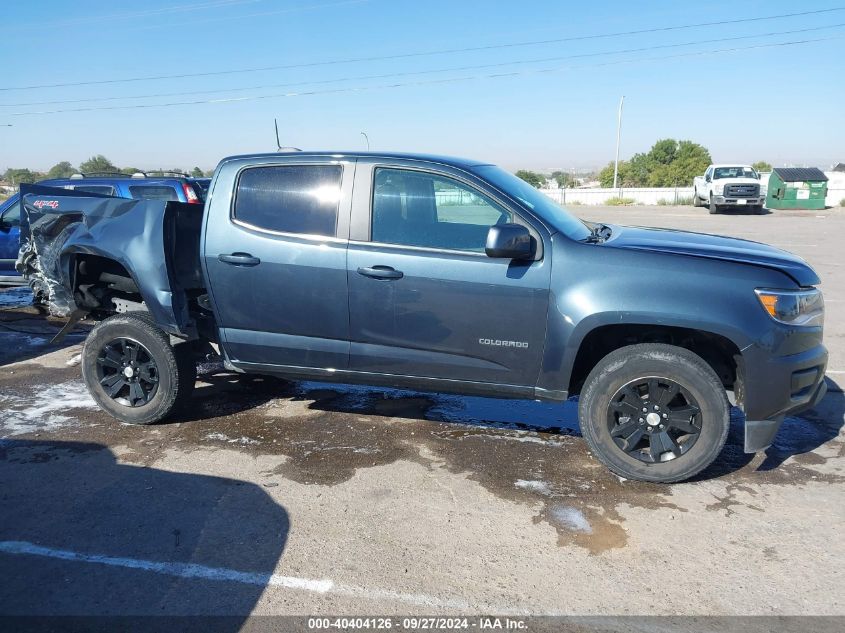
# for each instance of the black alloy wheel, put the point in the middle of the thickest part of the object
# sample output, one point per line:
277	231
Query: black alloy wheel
654	419
127	372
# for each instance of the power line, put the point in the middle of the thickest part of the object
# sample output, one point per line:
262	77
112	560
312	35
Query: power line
422	53
347	89
426	72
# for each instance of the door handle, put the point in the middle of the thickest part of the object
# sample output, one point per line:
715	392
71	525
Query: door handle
381	272
239	259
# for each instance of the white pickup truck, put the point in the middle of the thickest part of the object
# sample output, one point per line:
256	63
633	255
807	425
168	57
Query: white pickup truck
728	186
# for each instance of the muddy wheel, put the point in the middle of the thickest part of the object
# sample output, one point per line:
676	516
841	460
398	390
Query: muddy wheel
654	412
133	372
714	209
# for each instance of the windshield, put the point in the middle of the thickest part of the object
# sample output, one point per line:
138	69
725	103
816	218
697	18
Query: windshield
542	205
734	172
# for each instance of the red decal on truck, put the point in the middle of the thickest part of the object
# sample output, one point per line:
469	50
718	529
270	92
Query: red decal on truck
39	204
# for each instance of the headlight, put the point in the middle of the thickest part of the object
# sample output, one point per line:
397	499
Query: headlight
793	307
718	189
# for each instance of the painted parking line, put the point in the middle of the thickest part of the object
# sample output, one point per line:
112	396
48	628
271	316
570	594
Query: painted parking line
222	574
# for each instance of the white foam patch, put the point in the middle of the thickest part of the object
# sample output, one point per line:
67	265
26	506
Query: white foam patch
534	485
571	518
43	409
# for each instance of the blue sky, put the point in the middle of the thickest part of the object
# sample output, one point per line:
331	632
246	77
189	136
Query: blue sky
781	104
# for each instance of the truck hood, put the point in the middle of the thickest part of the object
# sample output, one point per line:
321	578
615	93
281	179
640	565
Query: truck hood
712	247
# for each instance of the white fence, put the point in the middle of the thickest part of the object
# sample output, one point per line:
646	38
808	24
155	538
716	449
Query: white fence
672	195
640	195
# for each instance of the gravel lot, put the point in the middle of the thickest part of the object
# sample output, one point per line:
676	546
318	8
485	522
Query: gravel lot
270	497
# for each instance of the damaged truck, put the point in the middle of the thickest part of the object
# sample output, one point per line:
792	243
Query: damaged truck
440	274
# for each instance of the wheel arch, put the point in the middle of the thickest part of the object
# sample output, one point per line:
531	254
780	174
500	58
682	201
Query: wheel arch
722	351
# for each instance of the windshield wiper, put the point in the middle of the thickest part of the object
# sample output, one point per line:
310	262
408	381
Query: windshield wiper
599	233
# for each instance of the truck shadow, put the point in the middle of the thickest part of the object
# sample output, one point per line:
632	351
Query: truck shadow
85	535
798	436
224	394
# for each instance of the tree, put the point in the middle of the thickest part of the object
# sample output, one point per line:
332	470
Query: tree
130	170
209	173
17	176
61	170
98	163
564	179
532	178
196	172
668	163
762	165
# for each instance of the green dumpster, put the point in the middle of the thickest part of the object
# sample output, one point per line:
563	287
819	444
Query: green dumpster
796	188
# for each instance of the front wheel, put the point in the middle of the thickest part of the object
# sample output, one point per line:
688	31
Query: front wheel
654	412
714	209
133	372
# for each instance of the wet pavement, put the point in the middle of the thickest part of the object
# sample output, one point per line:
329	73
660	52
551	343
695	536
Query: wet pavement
302	497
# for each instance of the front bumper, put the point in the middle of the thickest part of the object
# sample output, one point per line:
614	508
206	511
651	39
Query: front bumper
737	202
777	386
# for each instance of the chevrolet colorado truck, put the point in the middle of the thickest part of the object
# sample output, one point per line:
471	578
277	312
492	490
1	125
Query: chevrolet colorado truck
728	186
433	273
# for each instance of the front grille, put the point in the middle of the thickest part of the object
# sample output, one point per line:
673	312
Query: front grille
742	191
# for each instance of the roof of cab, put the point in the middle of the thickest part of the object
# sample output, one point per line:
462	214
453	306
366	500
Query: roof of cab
431	158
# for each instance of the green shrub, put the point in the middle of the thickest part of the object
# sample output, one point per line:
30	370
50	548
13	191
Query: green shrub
619	202
842	202
574	203
682	201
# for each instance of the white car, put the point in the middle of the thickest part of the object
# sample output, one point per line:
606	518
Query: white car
728	186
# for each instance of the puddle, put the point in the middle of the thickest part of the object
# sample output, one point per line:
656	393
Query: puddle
16	297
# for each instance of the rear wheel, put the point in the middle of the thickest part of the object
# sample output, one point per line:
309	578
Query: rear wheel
133	372
654	412
696	201
714	209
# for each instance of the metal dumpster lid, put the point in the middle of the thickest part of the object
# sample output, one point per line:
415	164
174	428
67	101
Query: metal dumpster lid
799	174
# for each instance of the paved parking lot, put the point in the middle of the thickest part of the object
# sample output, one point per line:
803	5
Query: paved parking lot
274	497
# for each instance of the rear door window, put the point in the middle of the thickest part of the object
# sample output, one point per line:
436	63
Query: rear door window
105	190
299	199
153	192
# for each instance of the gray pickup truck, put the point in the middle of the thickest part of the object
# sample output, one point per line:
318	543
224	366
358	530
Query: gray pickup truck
439	274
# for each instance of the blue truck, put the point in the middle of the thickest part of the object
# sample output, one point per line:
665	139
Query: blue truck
440	274
167	186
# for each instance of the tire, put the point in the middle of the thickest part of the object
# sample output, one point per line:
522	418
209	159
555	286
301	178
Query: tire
164	374
759	210
696	201
634	449
713	208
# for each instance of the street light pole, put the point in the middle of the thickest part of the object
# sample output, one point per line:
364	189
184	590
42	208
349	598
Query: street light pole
618	137
366	138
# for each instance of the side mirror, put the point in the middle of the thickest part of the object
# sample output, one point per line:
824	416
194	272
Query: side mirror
707	178
509	241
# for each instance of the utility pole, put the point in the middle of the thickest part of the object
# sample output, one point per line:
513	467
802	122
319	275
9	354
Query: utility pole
618	137
366	138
